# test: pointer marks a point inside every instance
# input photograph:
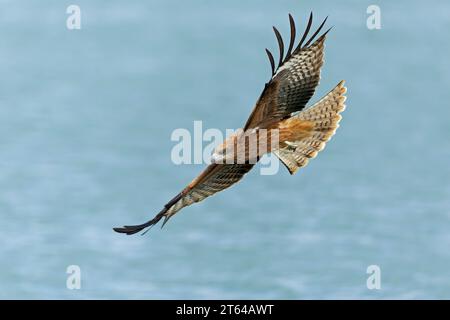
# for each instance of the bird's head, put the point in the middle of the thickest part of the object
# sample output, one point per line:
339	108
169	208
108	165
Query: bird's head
225	153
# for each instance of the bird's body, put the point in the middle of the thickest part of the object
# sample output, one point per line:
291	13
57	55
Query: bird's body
279	123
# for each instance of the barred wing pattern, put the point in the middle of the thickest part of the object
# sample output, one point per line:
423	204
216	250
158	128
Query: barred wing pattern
324	116
293	81
215	178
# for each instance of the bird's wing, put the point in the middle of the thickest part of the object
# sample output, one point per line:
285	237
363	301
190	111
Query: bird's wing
215	178
293	81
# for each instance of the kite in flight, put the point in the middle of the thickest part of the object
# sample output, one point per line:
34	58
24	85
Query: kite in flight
301	131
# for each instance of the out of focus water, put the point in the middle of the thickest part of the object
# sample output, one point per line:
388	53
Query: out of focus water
85	124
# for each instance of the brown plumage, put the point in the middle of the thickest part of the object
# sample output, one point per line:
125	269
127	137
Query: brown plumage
301	133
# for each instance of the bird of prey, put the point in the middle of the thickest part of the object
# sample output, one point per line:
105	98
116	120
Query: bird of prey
301	131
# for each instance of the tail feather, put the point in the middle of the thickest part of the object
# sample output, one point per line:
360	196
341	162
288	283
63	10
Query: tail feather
324	118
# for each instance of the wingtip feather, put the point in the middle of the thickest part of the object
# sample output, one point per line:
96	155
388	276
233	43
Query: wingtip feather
133	229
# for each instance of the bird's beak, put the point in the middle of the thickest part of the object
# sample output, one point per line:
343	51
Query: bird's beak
215	158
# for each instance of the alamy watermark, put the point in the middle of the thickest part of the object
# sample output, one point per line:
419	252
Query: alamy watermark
374	19
374	280
73	21
239	147
73	281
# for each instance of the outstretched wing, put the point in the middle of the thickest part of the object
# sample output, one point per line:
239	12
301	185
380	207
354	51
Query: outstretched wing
293	81
215	178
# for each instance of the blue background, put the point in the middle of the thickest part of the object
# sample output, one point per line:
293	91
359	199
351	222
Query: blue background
85	123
